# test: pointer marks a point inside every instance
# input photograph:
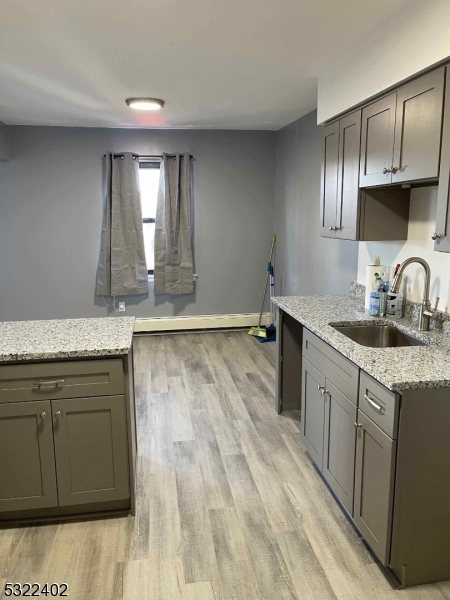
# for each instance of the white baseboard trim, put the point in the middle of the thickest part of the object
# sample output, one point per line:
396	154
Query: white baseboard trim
200	322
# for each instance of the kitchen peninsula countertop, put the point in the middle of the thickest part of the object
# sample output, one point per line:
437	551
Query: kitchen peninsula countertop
65	338
398	369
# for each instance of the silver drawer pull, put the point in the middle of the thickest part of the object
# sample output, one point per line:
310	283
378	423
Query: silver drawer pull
43	415
374	404
58	414
45	384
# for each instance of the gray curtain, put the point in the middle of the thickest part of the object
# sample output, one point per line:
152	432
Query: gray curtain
173	253
122	270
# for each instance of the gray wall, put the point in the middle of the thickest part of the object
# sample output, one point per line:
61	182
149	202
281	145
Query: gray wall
51	214
4	143
306	263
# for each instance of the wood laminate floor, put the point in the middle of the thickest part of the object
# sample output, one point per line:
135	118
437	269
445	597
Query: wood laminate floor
229	506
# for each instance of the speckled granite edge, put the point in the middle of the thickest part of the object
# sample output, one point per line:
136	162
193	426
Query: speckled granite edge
399	369
65	338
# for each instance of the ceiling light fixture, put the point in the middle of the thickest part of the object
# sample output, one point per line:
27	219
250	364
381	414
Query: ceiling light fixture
145	103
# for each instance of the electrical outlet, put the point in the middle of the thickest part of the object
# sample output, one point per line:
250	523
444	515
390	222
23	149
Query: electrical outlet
121	306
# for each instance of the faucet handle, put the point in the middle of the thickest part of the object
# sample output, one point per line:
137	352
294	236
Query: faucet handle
436	305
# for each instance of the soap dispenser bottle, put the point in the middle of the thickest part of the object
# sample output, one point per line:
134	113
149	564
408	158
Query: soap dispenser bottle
374	308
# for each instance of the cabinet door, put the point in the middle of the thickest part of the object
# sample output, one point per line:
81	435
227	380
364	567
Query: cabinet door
374	486
377	141
442	230
91	449
418	128
348	176
339	445
27	464
329	181
313	411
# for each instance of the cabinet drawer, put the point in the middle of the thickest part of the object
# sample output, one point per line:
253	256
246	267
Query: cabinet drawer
379	404
342	373
65	379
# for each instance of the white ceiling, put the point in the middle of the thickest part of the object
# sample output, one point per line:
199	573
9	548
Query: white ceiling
240	64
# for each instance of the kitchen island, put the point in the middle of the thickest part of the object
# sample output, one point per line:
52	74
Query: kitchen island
67	418
375	421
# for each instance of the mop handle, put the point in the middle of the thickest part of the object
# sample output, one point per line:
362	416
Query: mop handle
267	278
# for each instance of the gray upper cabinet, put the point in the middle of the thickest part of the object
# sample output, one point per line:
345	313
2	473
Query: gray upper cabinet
313	411
377	142
401	133
418	128
348	176
340	175
27	464
347	212
374	486
91	450
401	138
329	180
339	445
442	231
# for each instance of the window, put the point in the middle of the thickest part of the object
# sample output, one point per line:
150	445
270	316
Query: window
149	184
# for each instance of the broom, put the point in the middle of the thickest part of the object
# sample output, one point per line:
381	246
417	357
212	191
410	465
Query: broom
261	332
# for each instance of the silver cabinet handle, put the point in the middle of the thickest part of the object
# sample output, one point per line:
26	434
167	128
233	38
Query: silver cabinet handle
43	415
395	169
321	389
333	228
387	170
436	236
357	425
45	384
374	404
57	414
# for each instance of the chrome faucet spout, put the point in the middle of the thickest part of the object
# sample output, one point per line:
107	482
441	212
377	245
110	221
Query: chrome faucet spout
425	312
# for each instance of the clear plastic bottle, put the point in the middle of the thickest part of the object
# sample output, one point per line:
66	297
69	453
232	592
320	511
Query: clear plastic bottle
374	307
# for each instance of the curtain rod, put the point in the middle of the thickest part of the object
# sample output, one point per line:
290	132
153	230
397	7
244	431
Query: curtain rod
149	156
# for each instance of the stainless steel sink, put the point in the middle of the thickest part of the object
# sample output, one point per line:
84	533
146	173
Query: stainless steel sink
378	336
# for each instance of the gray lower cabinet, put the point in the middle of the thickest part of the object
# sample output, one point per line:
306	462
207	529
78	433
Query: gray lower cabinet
339	445
63	453
27	464
374	486
91	450
313	411
385	456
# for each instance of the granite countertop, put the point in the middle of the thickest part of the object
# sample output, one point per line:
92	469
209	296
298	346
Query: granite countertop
65	338
396	368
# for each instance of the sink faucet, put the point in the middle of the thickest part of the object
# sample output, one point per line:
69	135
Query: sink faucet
426	313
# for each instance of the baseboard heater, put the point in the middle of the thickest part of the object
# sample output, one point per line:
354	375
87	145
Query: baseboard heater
199	322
